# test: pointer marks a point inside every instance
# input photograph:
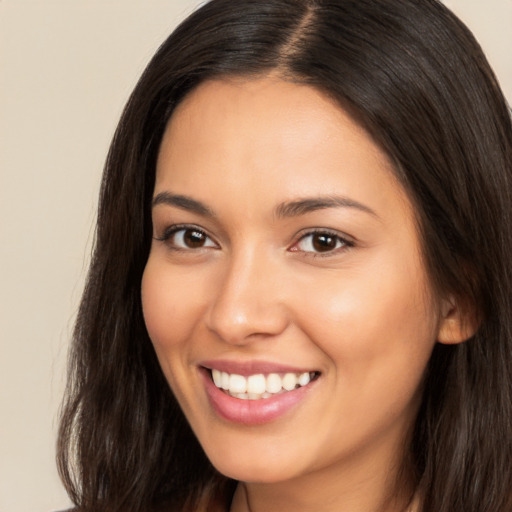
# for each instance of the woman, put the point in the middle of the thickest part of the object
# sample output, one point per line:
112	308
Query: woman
315	199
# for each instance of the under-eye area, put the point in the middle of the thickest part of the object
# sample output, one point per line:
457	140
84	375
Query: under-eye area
313	242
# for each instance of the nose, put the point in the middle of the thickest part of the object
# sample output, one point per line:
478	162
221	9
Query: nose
249	301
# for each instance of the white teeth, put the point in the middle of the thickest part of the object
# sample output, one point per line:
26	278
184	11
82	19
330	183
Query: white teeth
237	383
289	381
304	379
258	386
217	378
274	383
224	381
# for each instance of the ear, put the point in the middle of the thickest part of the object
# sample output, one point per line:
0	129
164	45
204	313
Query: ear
457	324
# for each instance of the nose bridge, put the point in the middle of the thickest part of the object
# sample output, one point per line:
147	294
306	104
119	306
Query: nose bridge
247	302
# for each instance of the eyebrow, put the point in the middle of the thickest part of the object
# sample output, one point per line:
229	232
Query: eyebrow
183	202
283	210
311	204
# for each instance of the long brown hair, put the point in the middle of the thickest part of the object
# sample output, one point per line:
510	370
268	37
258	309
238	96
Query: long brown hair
412	74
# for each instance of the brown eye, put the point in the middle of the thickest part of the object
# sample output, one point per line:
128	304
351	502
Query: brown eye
190	238
324	242
321	242
194	239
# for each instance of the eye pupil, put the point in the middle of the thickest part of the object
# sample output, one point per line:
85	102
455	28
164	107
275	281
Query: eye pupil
324	242
194	238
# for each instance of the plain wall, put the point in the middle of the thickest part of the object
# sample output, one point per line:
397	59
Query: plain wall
66	69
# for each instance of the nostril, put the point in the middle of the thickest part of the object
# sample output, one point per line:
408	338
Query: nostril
239	325
247	306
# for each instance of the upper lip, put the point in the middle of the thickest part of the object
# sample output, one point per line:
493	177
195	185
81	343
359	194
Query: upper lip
247	368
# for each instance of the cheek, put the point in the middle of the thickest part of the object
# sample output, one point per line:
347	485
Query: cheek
170	306
156	306
378	344
374	324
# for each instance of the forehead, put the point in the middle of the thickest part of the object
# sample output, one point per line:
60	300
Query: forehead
298	112
273	139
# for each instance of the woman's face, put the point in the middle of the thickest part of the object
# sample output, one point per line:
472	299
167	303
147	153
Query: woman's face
285	266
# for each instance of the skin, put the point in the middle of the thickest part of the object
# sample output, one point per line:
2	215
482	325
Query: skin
362	314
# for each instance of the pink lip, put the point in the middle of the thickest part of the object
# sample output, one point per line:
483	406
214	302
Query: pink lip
252	412
247	368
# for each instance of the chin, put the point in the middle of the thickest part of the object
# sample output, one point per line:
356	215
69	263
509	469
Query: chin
255	473
253	466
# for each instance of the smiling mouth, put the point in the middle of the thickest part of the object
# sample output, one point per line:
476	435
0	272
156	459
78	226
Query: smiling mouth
260	386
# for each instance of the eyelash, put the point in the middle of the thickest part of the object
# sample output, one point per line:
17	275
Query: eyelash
341	243
171	232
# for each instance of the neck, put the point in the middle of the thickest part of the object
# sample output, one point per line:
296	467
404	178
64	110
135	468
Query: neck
362	485
252	500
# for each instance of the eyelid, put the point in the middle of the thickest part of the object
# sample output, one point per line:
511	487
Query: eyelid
172	229
347	242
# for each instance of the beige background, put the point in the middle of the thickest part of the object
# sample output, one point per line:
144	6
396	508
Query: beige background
66	69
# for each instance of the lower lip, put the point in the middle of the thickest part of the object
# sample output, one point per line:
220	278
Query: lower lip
252	412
